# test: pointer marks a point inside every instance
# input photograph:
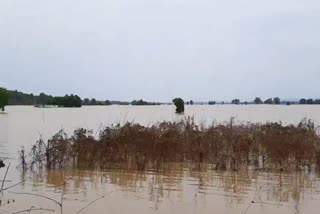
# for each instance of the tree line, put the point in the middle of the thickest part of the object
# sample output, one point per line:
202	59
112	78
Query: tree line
143	103
309	101
94	102
10	97
276	101
66	101
14	97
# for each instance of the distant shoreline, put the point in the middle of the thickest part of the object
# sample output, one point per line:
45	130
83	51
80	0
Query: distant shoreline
20	98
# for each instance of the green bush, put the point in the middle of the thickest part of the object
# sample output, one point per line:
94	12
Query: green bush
179	103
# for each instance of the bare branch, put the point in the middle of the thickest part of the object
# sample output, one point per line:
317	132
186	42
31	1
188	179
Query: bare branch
61	208
89	205
4	178
14	185
25	193
252	202
94	201
34	209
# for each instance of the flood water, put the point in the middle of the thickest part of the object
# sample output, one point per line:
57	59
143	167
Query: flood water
178	190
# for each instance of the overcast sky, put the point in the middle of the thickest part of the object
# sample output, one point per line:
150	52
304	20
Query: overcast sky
160	49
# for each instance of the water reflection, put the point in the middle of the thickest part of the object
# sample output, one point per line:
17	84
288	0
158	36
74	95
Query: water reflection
3	135
180	186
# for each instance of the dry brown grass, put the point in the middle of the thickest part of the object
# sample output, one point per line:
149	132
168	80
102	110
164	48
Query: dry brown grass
232	145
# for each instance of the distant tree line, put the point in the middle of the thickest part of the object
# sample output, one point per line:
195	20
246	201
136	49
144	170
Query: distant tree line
235	101
66	101
94	102
272	101
275	101
20	98
15	97
189	102
309	101
143	103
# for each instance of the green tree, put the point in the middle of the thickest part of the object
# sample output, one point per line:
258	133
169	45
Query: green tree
139	102
269	101
257	100
303	101
66	101
179	103
107	102
4	98
93	101
310	101
43	99
86	101
142	103
235	101
276	100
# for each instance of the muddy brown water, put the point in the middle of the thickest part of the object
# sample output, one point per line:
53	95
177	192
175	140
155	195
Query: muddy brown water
178	190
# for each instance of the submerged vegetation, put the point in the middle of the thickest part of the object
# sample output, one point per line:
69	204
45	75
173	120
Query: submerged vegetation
223	146
179	103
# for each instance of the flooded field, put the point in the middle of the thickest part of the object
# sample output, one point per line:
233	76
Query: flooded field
178	190
174	191
23	125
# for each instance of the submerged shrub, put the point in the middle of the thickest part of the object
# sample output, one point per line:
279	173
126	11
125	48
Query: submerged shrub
132	146
179	103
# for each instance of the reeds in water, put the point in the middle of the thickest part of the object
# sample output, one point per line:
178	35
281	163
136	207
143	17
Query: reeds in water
223	146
